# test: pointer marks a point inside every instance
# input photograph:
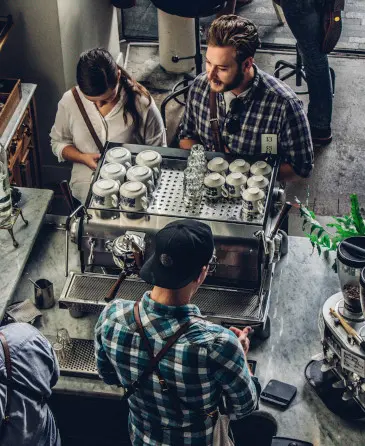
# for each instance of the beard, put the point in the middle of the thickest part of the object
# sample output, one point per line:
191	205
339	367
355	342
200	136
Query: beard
220	87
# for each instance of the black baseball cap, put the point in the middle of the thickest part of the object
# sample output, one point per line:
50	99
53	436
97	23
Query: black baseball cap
182	248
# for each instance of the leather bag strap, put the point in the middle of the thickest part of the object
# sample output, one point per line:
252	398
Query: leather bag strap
7	358
214	122
87	120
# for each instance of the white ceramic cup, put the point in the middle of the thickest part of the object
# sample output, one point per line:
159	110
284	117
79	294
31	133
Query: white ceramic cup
152	159
133	196
261	168
119	155
105	194
143	174
258	181
219	165
214	186
252	201
240	165
113	171
235	181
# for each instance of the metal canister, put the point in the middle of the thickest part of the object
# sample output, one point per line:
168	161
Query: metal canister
43	294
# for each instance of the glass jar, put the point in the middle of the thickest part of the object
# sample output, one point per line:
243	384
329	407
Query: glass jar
6	208
350	262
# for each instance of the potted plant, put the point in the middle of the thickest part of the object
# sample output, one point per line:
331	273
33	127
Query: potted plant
326	238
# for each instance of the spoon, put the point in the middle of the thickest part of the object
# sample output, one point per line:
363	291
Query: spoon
34	283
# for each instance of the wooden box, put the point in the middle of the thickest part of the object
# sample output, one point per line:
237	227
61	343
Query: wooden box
10	95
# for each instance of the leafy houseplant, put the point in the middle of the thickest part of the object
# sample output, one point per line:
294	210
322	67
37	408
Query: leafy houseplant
347	226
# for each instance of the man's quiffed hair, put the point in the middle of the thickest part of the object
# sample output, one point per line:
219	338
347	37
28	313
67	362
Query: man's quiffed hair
236	31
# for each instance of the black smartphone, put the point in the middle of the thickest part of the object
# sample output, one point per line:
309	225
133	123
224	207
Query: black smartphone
278	393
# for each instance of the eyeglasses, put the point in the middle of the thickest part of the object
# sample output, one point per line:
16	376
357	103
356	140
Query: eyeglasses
213	262
233	124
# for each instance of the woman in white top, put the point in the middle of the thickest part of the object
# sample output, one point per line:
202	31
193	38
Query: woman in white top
120	110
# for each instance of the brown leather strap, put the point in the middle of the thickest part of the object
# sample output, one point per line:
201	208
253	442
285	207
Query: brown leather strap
214	122
153	366
154	360
87	120
7	358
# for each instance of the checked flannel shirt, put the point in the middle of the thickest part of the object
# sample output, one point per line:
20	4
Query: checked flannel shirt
206	361
269	108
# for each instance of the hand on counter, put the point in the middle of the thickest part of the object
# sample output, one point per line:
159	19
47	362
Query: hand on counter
242	336
91	160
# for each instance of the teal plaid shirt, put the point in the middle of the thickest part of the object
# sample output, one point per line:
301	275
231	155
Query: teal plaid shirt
205	362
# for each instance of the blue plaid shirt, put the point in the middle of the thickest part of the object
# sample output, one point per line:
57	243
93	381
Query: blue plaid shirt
205	362
270	108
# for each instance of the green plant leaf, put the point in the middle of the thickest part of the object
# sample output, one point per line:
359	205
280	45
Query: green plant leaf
326	241
356	214
316	226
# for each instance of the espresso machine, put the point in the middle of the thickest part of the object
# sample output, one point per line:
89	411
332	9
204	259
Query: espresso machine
113	244
338	375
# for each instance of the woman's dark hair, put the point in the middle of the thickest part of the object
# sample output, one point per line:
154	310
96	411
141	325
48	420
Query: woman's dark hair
97	71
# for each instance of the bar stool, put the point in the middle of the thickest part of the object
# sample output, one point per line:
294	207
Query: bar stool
297	69
190	9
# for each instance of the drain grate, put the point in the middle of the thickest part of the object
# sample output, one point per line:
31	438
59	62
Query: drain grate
79	359
86	292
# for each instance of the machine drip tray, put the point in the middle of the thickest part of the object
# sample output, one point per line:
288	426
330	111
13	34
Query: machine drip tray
79	359
86	293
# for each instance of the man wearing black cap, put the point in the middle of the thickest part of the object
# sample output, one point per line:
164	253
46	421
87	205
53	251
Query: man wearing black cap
173	398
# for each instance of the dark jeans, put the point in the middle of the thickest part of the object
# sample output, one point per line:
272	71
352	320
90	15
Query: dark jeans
304	20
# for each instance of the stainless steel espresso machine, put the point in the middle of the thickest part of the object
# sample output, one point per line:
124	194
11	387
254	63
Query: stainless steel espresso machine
338	375
113	243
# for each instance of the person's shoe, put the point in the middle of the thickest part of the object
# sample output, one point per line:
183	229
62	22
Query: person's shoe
332	24
240	3
321	137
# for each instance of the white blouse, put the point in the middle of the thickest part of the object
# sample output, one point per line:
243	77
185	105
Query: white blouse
70	129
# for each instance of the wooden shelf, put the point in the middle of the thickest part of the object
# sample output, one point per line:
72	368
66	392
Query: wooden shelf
6	23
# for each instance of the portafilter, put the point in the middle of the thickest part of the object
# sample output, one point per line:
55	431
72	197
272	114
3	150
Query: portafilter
128	253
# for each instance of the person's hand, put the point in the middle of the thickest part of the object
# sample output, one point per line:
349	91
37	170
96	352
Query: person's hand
242	336
91	160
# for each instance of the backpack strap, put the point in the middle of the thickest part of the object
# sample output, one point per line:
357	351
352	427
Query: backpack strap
79	103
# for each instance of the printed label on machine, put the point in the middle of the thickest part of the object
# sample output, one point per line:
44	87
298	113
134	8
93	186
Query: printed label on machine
269	143
353	363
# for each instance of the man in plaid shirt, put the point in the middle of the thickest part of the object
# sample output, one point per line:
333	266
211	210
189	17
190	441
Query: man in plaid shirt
206	362
257	113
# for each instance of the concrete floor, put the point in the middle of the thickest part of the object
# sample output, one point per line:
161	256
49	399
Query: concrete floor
141	22
339	168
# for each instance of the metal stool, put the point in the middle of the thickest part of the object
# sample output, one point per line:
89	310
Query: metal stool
193	9
297	70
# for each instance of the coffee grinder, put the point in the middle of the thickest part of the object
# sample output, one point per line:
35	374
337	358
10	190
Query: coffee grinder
338	375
